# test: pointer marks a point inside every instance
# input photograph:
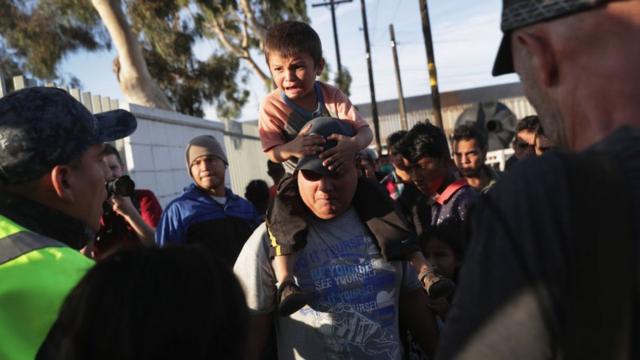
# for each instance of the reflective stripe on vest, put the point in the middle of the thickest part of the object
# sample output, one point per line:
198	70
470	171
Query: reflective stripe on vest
23	242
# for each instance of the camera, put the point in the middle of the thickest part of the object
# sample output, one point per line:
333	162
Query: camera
122	186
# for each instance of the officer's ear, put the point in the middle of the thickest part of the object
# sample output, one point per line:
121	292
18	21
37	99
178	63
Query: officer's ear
534	57
61	178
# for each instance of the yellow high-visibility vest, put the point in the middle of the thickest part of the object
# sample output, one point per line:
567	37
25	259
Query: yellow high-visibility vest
36	274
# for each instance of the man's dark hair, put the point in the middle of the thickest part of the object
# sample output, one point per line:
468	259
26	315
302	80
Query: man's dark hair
110	150
529	123
153	303
394	139
290	38
423	140
470	132
257	192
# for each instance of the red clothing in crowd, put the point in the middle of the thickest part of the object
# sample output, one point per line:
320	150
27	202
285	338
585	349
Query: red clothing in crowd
116	233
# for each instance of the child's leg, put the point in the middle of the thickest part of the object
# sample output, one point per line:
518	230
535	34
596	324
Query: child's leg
290	297
287	227
286	219
282	267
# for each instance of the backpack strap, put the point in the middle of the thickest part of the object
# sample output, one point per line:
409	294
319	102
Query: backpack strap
598	307
451	190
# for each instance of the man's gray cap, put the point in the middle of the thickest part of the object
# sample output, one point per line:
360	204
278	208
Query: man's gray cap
520	13
41	127
324	126
203	145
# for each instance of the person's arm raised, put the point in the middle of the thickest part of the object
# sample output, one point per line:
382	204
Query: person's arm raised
303	144
124	207
346	148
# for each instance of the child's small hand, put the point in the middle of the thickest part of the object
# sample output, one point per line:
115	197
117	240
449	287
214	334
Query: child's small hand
344	151
305	144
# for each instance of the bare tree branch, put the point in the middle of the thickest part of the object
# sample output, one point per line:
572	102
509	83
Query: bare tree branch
243	53
259	29
133	75
245	34
266	79
215	27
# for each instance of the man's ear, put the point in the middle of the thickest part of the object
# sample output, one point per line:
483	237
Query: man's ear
539	54
62	182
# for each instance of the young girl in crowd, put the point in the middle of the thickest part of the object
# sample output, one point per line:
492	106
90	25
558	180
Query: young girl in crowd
444	247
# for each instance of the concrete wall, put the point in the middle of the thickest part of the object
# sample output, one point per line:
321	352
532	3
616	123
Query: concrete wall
155	152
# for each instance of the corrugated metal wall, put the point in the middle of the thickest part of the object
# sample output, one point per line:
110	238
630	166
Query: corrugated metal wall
390	123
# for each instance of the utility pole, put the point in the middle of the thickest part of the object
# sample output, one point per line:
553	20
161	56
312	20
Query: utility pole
431	62
403	114
332	5
374	106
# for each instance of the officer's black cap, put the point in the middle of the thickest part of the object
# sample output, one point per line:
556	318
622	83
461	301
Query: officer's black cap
42	127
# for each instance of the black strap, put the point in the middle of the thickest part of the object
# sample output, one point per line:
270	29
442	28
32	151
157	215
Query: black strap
601	273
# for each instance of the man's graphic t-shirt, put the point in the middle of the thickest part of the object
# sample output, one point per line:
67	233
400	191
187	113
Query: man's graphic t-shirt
354	312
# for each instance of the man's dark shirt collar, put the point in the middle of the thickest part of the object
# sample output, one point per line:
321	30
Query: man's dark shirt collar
45	220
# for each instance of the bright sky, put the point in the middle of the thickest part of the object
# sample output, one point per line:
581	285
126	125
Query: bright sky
466	36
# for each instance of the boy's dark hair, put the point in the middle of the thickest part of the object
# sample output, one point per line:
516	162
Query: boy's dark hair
529	123
153	303
394	139
289	38
110	150
423	140
470	132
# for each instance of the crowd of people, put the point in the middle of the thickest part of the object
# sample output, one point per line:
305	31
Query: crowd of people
438	255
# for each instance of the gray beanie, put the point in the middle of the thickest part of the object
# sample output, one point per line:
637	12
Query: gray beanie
204	145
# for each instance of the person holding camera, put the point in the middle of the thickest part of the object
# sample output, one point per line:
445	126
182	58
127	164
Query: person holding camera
130	215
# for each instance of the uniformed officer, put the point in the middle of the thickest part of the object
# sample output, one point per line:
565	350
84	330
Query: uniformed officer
52	186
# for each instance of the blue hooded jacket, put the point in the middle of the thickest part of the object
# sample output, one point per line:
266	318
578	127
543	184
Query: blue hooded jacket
195	217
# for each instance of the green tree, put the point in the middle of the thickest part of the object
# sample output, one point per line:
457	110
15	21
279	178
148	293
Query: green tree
31	42
343	82
240	27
